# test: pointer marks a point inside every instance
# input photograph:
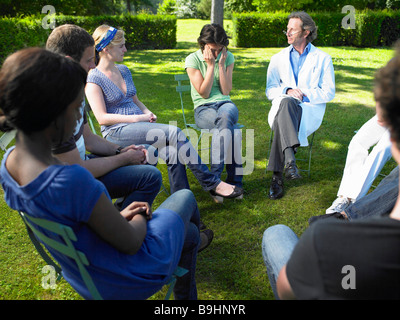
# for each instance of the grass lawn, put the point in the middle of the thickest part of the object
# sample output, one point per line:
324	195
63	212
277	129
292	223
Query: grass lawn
232	267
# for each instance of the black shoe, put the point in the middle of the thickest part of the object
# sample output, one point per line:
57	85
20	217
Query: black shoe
202	226
235	193
291	171
335	215
276	188
206	237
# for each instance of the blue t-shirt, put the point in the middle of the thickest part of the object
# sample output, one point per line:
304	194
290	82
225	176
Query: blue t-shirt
67	194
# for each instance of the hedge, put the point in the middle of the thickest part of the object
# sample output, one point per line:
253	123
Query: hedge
143	31
372	29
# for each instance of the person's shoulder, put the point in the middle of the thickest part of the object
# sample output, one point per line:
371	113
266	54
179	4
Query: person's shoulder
194	55
315	50
281	53
94	74
122	67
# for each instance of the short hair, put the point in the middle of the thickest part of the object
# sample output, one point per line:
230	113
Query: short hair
69	40
36	87
307	24
387	93
212	33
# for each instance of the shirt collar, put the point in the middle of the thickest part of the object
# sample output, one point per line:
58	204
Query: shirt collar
306	49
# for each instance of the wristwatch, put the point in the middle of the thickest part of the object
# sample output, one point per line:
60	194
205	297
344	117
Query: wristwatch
118	151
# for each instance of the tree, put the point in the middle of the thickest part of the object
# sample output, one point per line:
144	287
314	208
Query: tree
217	12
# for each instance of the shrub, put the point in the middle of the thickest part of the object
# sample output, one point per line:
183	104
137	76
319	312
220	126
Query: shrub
372	29
143	31
20	33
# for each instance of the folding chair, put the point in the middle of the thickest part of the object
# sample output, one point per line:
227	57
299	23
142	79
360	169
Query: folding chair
6	139
181	89
67	248
310	145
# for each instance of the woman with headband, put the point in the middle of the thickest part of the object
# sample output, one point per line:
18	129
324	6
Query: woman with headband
131	253
125	120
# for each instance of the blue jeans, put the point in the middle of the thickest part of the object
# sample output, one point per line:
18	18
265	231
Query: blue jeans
277	246
173	147
133	183
226	141
184	203
379	201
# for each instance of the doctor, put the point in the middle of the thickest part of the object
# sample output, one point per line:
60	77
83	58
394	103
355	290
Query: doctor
300	81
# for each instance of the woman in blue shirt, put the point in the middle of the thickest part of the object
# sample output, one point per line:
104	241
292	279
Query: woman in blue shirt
132	253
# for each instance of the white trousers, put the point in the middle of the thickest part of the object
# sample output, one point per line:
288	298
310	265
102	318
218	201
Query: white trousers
362	167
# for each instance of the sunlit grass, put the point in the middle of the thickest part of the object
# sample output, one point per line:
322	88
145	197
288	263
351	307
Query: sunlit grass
232	267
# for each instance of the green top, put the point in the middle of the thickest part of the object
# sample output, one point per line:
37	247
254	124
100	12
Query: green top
196	61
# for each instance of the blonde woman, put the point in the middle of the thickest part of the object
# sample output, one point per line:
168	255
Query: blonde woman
125	120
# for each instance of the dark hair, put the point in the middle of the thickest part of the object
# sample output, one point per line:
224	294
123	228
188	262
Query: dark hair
387	93
307	24
212	33
69	40
36	86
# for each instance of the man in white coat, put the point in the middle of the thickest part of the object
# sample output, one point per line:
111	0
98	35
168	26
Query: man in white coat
300	81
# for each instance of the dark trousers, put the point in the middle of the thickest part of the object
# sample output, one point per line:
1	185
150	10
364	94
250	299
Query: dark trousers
286	128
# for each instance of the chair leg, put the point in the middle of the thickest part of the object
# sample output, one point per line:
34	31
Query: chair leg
310	145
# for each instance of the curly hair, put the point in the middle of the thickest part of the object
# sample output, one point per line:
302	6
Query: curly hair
387	94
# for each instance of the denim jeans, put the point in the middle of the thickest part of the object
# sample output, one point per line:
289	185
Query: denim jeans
184	203
133	183
173	147
379	201
226	141
277	246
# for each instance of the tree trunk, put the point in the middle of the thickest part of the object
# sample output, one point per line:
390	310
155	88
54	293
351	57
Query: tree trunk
217	12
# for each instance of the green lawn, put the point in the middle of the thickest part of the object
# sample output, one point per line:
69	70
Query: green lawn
232	267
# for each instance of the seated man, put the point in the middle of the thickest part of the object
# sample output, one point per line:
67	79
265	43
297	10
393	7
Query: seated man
300	81
344	260
378	202
362	166
119	169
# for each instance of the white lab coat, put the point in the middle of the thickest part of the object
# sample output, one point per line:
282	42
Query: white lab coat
362	166
316	80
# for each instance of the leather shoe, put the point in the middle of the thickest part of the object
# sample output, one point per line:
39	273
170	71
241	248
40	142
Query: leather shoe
206	237
276	189
237	191
291	171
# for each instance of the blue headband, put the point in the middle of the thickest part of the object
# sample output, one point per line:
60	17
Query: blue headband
107	39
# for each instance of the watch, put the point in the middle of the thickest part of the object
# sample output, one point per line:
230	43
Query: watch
118	151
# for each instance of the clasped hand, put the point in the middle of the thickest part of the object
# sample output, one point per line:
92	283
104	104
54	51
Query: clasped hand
136	208
139	154
296	93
